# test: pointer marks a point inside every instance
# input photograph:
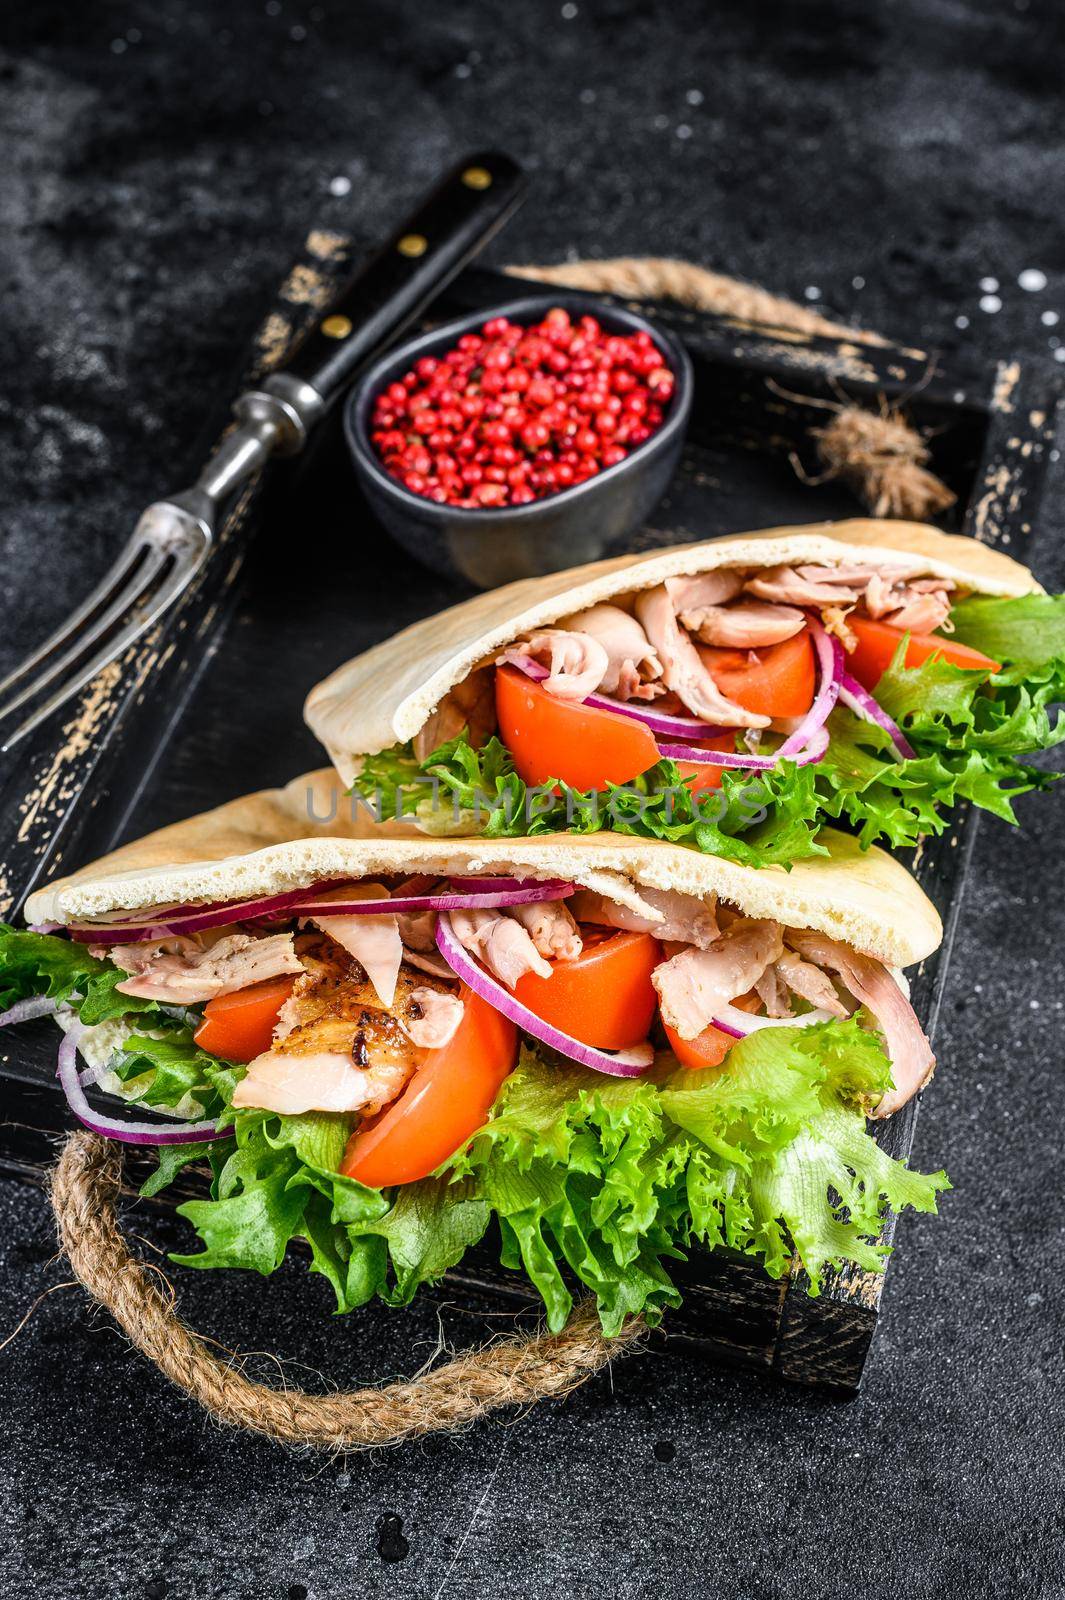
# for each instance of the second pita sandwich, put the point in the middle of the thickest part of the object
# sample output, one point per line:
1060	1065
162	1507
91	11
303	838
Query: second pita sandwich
733	695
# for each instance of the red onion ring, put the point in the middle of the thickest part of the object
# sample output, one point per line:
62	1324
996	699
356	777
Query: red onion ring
731	1020
523	893
302	902
143	1133
37	1005
858	699
193	920
815	749
624	1064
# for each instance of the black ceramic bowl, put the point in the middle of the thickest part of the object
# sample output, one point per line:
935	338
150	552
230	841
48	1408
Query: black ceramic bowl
490	546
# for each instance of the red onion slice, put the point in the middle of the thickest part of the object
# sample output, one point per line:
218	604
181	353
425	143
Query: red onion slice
624	1064
192	920
858	699
815	749
731	1020
37	1005
522	892
303	902
143	1133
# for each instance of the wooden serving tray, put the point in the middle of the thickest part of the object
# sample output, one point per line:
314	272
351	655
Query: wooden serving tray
208	706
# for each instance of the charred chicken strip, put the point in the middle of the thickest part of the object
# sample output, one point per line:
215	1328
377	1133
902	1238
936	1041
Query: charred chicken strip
336	1047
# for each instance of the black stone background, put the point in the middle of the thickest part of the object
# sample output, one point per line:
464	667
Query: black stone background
159	166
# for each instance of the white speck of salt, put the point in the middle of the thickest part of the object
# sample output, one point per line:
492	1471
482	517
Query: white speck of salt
990	303
858	283
1032	279
340	185
989	285
660	122
683	131
694	97
1049	319
463	70
812	292
1059	355
1033	1005
569	11
118	47
961	322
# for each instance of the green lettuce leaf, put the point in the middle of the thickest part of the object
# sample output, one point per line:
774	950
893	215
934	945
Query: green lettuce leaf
590	1184
40	963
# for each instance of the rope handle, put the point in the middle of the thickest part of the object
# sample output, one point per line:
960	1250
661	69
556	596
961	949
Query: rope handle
515	1371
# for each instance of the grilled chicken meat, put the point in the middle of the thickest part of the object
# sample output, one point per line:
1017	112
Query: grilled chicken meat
184	971
336	1047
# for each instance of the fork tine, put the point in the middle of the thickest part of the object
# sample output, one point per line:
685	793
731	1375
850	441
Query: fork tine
118	572
174	582
141	577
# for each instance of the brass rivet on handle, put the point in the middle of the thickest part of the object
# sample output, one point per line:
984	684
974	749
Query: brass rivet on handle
477	178
336	327
413	245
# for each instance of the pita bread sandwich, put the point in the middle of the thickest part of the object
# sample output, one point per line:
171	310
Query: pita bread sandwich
599	1051
732	695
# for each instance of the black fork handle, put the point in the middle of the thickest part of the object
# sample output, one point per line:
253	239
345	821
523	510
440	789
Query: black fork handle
448	228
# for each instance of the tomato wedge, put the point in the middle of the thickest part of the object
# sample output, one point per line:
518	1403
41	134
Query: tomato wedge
448	1098
878	641
580	745
605	998
709	1048
240	1026
777	681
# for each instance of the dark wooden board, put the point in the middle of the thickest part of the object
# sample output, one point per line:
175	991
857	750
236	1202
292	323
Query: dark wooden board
208	706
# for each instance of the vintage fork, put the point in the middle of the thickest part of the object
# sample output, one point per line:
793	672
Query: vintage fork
173	536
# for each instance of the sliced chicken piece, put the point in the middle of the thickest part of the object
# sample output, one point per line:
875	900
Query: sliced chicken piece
426	962
336	1048
432	1017
470	704
185	972
683	917
417	929
577	663
551	929
810	983
749	625
683	670
632	665
872	985
705	589
505	947
923	613
773	993
808	586
694	985
374	941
